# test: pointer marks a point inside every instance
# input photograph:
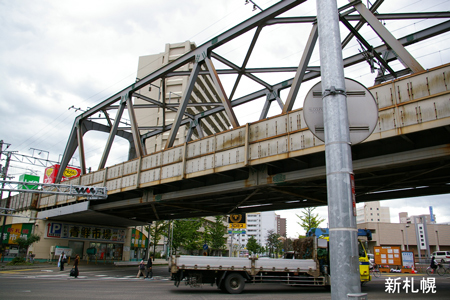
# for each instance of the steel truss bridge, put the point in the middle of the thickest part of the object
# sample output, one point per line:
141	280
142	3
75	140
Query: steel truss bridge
275	163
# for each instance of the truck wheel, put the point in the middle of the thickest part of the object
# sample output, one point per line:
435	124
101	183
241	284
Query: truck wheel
234	283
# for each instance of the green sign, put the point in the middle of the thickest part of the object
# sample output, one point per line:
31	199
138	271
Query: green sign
14	231
28	178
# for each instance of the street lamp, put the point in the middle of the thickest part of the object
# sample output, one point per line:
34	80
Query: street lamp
406	230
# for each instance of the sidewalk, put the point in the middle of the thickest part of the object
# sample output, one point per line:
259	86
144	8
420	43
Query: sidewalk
84	264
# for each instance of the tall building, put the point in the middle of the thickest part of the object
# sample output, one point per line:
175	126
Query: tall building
373	212
281	226
170	91
258	225
404	218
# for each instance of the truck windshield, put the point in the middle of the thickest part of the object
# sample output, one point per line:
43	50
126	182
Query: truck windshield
361	250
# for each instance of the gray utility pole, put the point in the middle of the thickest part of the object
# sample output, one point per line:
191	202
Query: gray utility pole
344	259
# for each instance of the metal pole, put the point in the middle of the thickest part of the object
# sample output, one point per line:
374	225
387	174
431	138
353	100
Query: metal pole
344	259
406	230
171	240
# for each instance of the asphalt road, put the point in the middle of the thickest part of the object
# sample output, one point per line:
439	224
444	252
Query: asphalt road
108	282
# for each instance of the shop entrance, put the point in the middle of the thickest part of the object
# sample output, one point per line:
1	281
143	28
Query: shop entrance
77	248
106	251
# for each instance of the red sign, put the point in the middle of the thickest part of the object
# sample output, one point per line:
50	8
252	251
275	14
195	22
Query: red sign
352	182
52	171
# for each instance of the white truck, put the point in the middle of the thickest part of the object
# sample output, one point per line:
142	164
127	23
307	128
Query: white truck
231	274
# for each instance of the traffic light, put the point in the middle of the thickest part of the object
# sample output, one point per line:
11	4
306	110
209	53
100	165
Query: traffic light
85	190
89	191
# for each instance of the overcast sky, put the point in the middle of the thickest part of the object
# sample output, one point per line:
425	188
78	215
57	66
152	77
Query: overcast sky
58	54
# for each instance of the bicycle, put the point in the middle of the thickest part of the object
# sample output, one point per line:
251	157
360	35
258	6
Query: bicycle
374	271
441	270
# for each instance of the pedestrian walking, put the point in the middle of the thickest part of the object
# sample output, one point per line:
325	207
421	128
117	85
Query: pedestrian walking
75	265
149	267
61	261
141	269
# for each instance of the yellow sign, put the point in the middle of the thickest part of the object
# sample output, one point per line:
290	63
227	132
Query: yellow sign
237	225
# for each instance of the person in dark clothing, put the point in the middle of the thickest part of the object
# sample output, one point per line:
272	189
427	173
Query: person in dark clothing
62	260
149	267
75	265
433	264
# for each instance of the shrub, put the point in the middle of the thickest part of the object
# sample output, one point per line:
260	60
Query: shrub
17	261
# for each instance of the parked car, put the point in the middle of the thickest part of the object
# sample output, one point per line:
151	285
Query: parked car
442	256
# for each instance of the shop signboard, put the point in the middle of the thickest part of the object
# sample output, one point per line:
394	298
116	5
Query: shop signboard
14	231
138	239
237	222
69	173
85	232
67	251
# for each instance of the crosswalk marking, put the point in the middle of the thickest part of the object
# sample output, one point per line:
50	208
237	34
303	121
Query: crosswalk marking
65	276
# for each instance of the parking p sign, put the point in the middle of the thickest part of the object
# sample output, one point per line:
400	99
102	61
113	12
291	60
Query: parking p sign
54	230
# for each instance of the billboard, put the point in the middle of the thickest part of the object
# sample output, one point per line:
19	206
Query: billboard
52	171
28	178
14	231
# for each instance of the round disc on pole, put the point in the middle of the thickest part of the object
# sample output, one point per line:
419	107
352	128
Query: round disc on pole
361	106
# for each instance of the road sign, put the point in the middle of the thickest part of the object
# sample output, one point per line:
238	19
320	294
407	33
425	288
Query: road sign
236	231
205	247
361	107
237	225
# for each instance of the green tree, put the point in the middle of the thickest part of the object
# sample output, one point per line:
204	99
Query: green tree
274	244
309	220
186	234
156	231
214	234
253	246
24	243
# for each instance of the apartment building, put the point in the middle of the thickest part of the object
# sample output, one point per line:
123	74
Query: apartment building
372	212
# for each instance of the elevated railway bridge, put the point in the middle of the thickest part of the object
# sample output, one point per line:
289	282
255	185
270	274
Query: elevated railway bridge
275	163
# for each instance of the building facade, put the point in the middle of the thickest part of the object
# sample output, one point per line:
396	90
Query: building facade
281	226
408	238
259	224
372	212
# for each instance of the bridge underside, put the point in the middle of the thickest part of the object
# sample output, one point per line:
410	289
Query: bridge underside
410	165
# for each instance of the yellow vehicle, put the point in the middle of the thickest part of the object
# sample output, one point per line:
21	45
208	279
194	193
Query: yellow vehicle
364	262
